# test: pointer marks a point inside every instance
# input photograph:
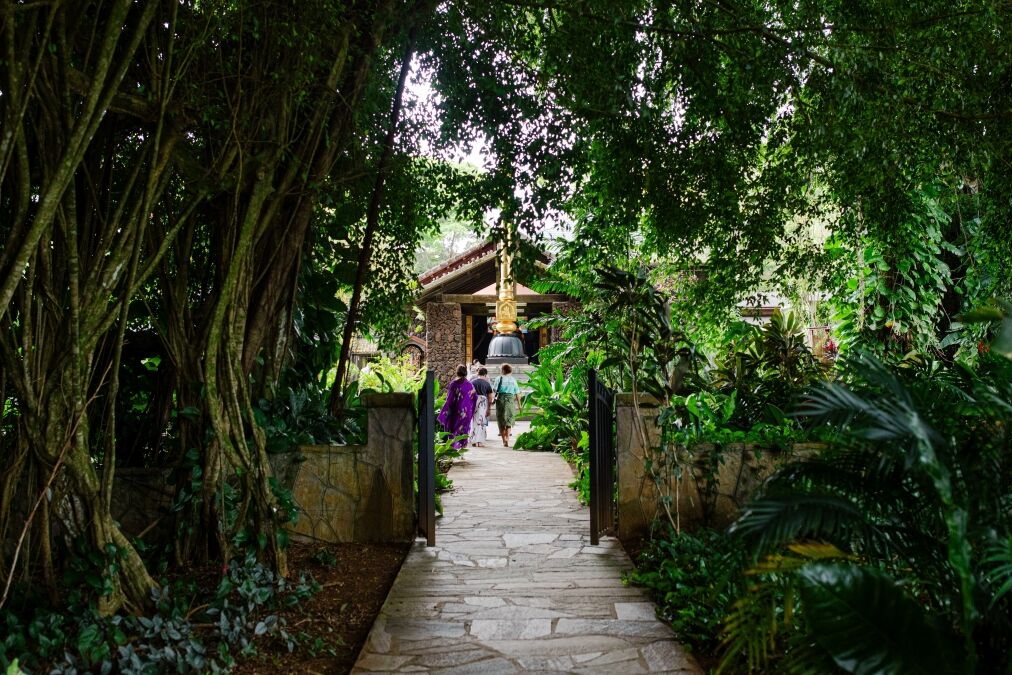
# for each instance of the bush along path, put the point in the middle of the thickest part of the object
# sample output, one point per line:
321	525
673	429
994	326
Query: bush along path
514	585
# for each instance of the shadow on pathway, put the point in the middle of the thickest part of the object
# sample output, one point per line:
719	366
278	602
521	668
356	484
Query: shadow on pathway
513	584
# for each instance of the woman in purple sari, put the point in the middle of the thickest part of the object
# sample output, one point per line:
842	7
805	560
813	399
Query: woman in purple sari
455	417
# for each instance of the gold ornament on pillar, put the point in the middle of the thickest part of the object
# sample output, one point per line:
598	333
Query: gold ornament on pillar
506	304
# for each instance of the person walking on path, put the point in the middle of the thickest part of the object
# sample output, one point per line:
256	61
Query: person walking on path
455	417
507	402
482	401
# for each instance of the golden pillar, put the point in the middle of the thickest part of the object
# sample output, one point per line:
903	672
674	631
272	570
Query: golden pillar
506	303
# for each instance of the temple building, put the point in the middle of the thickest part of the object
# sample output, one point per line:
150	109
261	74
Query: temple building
459	301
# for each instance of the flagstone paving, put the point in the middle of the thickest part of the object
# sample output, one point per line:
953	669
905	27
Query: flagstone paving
513	584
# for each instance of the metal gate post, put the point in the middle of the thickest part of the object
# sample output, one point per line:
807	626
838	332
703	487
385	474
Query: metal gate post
427	460
602	458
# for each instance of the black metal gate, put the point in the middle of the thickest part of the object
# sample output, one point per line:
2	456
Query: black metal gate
427	460
602	459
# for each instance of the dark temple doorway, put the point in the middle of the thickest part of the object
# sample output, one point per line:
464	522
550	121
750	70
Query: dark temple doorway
480	337
532	343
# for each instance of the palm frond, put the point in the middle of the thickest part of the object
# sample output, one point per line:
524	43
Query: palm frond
864	619
998	566
756	631
881	409
773	521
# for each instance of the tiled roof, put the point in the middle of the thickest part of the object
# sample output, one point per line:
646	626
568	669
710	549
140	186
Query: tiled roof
453	264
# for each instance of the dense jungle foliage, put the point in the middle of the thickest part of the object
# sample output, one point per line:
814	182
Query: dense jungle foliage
202	202
895	524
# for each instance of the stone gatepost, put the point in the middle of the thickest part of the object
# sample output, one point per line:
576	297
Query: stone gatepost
444	339
361	493
638	497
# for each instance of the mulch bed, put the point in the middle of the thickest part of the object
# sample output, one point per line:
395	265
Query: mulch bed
333	624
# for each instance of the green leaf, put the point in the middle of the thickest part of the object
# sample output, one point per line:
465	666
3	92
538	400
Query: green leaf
867	624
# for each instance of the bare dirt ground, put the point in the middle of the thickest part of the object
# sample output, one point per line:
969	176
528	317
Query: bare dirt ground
332	625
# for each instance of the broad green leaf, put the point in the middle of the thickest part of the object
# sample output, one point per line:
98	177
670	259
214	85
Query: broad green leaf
869	625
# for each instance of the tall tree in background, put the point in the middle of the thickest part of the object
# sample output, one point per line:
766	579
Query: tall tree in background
710	129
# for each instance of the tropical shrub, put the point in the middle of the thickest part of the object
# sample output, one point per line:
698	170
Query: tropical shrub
561	423
391	374
561	404
694	577
626	330
297	417
766	367
891	551
900	290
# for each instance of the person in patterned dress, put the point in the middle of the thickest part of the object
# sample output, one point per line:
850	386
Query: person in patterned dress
507	402
455	417
482	404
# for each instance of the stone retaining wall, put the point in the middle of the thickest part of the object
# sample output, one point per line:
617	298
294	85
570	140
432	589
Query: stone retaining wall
742	469
360	493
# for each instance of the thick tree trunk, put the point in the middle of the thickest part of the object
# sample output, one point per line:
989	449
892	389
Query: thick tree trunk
70	488
92	519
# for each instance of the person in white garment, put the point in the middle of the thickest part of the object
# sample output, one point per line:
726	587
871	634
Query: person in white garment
482	404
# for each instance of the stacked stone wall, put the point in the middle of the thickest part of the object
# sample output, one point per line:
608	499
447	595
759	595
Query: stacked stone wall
443	339
361	493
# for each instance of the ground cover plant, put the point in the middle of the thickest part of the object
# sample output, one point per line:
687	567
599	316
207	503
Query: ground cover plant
182	634
694	578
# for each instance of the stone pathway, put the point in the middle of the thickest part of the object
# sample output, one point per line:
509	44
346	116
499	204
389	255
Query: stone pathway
514	585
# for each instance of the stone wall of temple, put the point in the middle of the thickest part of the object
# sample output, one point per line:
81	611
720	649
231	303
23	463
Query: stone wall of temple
444	339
